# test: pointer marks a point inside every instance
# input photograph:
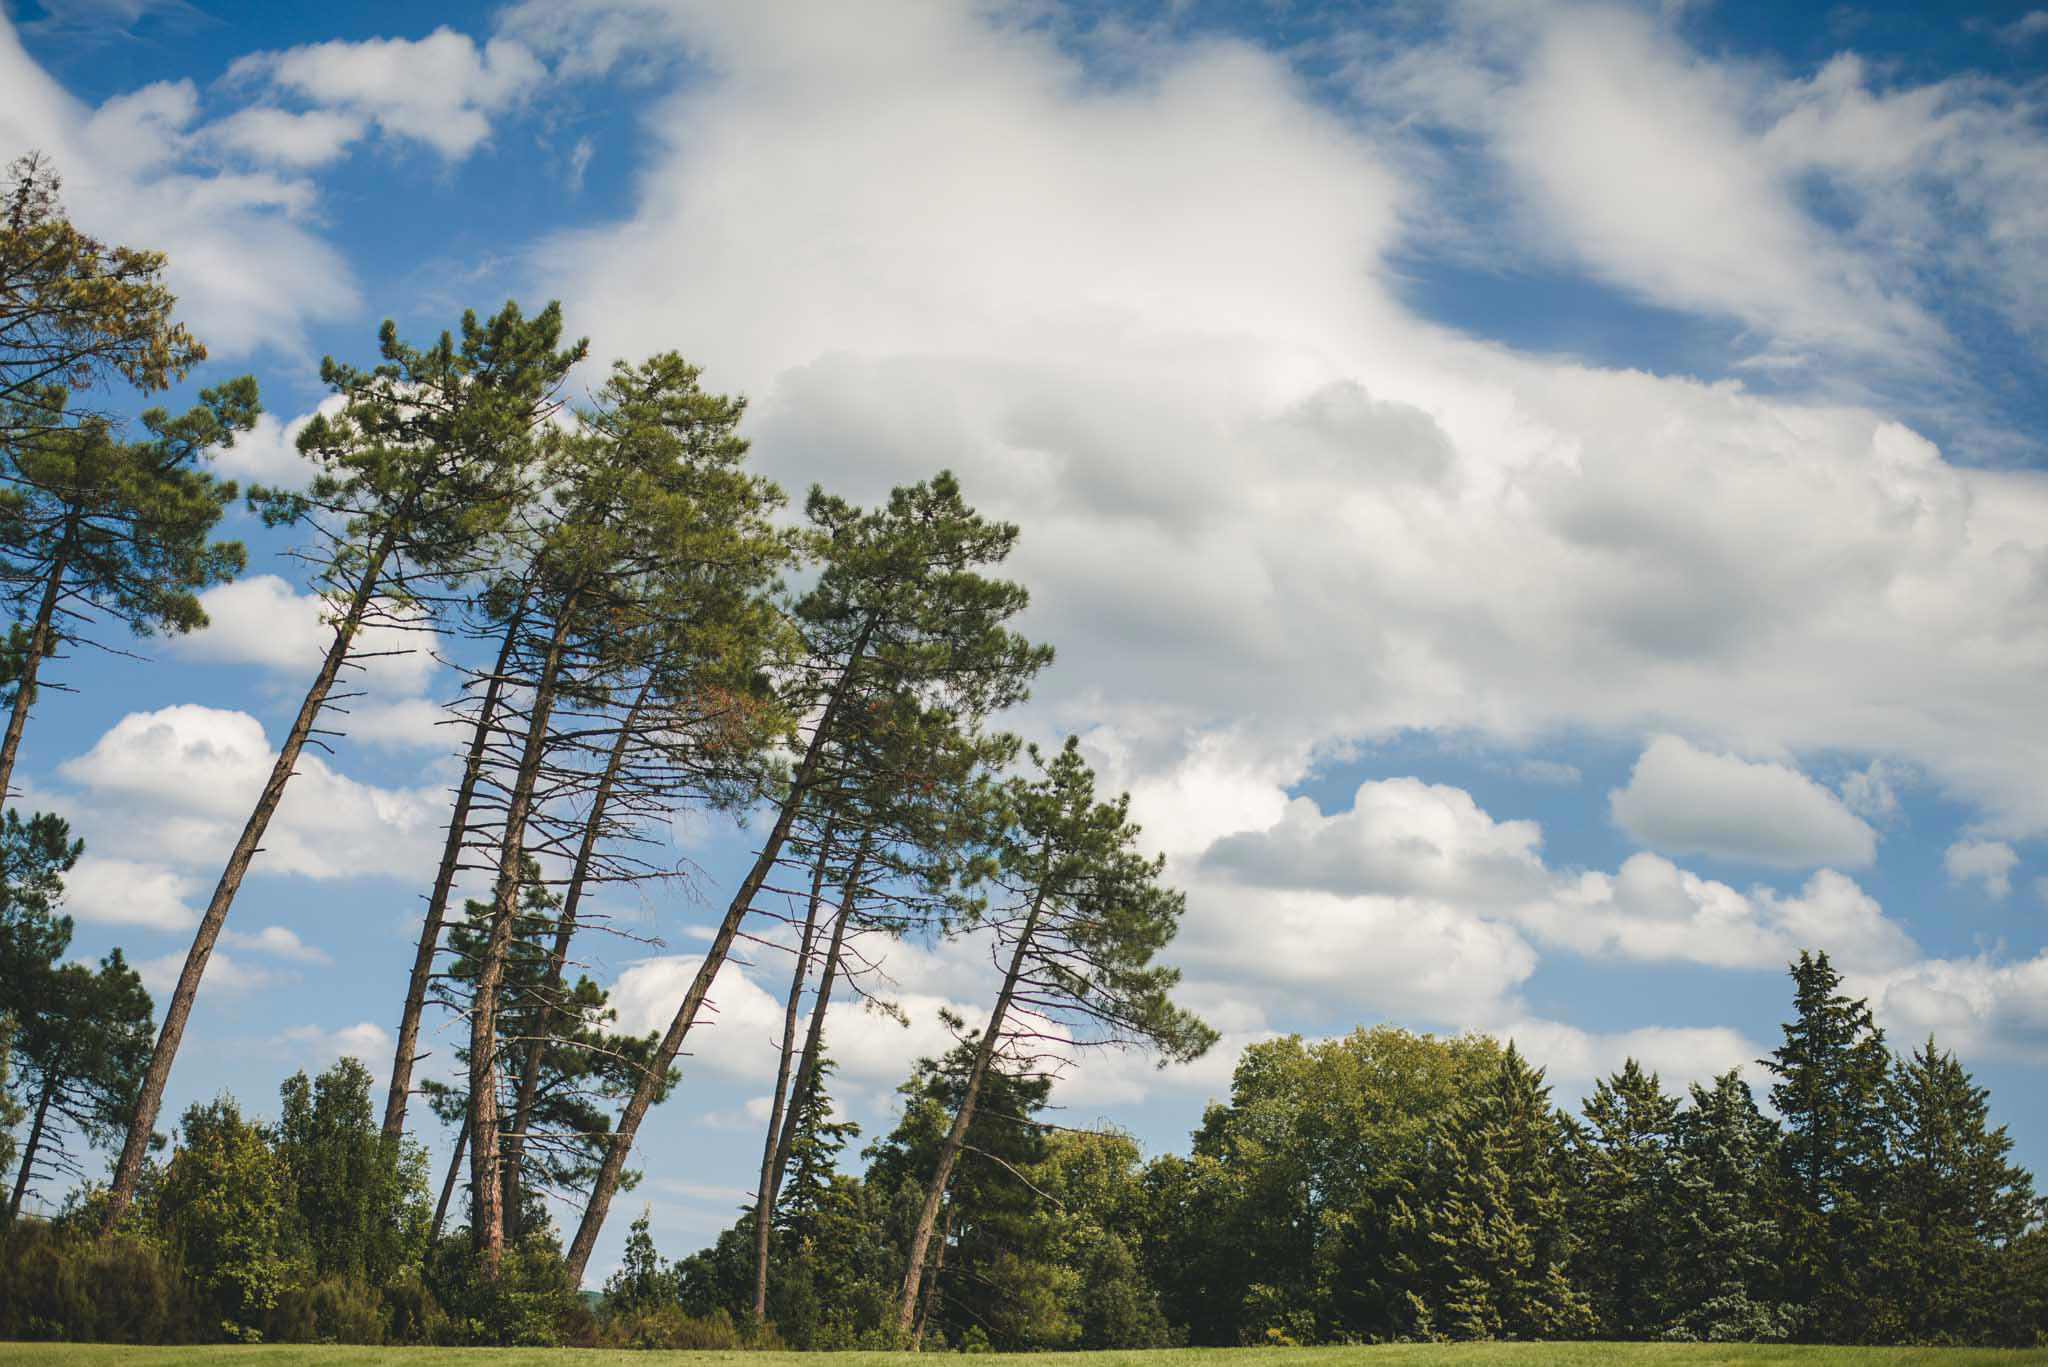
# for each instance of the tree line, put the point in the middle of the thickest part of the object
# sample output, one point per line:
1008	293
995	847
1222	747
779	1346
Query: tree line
609	584
639	629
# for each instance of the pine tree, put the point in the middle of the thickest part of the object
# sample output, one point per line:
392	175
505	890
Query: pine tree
84	1039
1080	916
1484	1244
1832	1073
1954	1201
899	597
1623	1202
1723	1221
429	458
79	313
584	1065
98	528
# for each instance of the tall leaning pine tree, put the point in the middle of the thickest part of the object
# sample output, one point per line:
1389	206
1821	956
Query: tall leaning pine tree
97	528
1078	916
901	606
430	455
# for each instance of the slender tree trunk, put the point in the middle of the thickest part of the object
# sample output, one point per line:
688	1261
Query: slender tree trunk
764	1191
404	1057
949	1151
931	1285
814	1040
28	1149
548	997
714	957
129	1169
39	645
448	1183
486	1175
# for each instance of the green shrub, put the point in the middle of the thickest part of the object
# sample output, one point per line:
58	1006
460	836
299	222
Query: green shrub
65	1284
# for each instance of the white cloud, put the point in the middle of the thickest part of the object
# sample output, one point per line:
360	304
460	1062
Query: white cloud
441	90
1155	322
297	141
123	892
1650	909
276	941
1976	1005
1872	791
315	1048
248	271
1683	800
1989	861
1402	837
174	787
225	974
2025	29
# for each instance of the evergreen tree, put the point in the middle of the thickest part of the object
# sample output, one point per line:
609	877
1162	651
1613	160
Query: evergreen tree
642	1281
1954	1201
101	528
583	1067
1623	1202
84	1038
1724	1234
1082	915
79	313
1832	1073
899	598
1484	1248
427	460
34	857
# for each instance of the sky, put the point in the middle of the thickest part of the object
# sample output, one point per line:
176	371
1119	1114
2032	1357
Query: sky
1541	505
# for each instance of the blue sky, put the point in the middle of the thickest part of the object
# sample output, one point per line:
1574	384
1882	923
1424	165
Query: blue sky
1540	504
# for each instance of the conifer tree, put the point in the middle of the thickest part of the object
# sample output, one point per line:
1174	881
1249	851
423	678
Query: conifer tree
651	521
584	1065
101	528
1832	1072
84	1038
1623	1202
428	458
75	313
1484	1245
900	607
1954	1201
1080	916
1724	1233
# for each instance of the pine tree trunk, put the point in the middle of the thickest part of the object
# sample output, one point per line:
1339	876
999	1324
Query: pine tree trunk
949	1151
764	1191
128	1171
404	1056
548	995
714	957
814	1040
39	646
486	1174
28	1149
448	1183
931	1286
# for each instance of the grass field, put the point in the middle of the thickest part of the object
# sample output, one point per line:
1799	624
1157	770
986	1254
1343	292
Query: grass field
1478	1355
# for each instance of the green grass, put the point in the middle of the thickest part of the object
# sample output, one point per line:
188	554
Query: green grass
1418	1355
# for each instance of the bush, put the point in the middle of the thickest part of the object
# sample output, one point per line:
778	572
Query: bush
331	1310
532	1304
58	1283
